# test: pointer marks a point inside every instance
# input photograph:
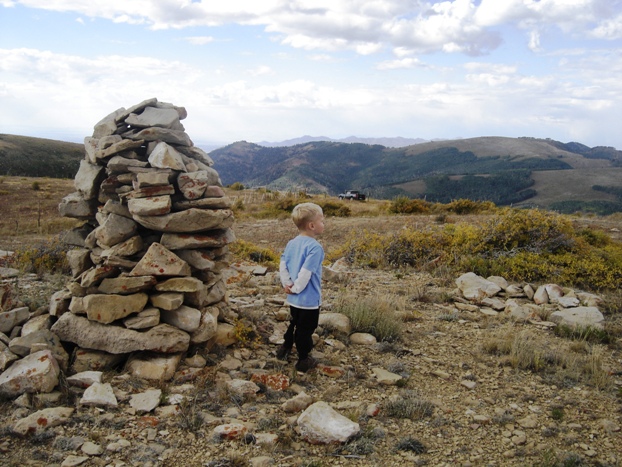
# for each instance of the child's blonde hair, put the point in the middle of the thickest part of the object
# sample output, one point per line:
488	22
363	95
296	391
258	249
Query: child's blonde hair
304	213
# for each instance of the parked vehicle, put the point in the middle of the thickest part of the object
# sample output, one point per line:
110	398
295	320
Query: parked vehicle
352	194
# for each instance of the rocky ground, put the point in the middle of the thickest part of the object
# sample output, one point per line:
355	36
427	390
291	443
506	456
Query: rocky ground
461	404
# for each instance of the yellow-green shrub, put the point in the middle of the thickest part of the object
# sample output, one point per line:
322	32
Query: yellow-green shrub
468	206
516	244
250	251
47	257
405	205
334	208
237	186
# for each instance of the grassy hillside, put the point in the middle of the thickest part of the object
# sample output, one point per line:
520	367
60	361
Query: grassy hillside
38	157
523	171
497	169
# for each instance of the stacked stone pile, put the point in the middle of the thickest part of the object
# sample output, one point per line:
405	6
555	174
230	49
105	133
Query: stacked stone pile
147	279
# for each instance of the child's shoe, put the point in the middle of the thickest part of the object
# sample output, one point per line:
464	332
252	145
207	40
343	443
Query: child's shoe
306	364
283	352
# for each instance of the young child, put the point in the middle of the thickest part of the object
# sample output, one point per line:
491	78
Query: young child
301	276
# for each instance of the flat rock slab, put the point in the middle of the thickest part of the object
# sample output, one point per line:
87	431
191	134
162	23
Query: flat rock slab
204	203
105	308
117	340
150	206
216	239
7	273
581	316
126	285
189	221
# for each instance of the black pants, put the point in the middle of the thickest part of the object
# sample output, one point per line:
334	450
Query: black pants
302	325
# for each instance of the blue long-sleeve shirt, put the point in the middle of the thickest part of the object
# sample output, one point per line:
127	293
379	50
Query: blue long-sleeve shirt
302	262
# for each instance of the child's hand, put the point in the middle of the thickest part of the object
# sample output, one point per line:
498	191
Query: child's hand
287	289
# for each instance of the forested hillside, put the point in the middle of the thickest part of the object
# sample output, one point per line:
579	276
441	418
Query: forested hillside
493	169
567	177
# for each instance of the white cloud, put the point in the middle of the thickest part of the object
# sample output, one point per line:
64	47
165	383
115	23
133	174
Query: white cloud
469	27
480	98
261	71
609	29
199	40
534	41
401	63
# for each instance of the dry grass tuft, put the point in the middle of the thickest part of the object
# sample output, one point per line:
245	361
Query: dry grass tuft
373	314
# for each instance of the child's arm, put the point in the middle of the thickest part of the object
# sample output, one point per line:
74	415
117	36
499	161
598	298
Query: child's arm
286	280
304	276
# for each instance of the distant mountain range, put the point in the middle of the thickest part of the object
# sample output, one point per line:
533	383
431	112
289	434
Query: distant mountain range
523	171
396	142
518	171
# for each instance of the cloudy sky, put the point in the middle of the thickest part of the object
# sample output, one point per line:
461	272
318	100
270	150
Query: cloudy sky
270	70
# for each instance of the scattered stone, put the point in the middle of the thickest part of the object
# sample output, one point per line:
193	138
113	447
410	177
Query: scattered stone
277	382
583	316
321	424
230	431
91	449
85	379
99	395
476	288
42	420
154	367
337	321
386	377
362	338
146	401
468	384
12	318
297	403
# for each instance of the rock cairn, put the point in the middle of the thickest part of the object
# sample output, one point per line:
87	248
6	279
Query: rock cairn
147	271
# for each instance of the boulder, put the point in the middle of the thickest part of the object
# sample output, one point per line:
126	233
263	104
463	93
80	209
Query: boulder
336	321
184	317
15	317
35	373
476	288
582	316
321	424
165	156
